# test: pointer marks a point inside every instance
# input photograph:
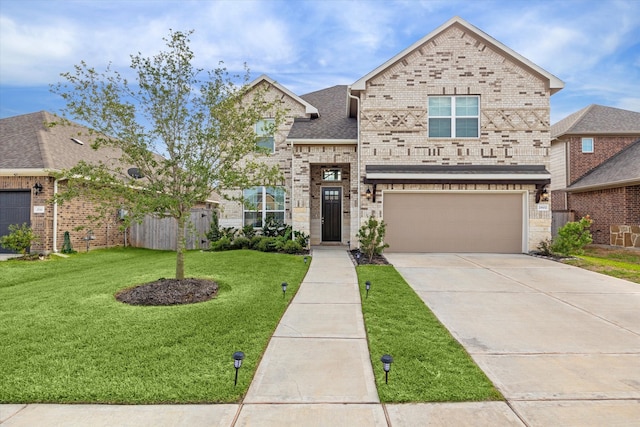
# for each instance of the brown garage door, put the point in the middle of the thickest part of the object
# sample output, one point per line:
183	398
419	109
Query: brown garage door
453	222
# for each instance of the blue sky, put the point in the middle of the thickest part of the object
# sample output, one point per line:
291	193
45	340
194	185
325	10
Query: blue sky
592	45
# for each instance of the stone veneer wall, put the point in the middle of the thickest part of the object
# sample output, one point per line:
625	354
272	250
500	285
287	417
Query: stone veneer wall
70	215
514	114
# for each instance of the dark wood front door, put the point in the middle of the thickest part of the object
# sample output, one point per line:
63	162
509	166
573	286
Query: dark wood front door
331	214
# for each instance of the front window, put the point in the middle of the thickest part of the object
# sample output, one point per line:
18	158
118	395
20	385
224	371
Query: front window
332	174
264	131
587	145
454	116
261	203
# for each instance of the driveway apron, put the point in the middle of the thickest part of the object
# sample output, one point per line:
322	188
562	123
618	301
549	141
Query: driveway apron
562	344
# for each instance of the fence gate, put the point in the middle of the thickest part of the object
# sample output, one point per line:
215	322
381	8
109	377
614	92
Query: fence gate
160	233
559	219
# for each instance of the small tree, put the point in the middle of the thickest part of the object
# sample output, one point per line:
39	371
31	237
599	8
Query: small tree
183	134
19	239
573	237
371	237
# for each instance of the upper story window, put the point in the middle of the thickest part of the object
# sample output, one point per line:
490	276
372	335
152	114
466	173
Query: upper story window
332	174
454	116
265	135
262	203
587	145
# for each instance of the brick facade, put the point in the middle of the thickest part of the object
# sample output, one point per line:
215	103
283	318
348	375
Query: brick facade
70	215
614	206
604	147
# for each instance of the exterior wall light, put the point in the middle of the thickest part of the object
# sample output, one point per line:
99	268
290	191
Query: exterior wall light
37	189
386	365
367	194
237	362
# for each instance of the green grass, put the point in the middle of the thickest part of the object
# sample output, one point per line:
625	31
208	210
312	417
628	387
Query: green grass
616	262
64	337
429	364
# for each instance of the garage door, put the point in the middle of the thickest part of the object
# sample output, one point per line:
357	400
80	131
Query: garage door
453	222
15	208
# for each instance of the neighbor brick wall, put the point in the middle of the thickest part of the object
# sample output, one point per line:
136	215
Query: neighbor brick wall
604	147
614	206
71	214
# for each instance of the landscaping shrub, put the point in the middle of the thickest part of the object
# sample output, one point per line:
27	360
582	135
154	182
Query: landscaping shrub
222	244
213	235
240	242
267	244
573	237
302	239
19	239
272	227
254	242
248	231
371	238
291	247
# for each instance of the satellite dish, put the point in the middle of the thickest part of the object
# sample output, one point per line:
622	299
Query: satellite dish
134	173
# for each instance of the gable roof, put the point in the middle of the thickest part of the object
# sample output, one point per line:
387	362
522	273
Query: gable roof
598	119
332	123
621	170
555	84
29	146
309	109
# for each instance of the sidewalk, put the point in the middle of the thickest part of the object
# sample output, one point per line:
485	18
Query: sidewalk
316	371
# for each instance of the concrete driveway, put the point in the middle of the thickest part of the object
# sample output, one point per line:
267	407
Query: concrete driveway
562	344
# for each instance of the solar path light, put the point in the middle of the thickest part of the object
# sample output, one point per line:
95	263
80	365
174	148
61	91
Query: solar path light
367	286
386	365
237	362
284	289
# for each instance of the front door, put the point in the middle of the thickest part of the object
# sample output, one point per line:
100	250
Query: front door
331	214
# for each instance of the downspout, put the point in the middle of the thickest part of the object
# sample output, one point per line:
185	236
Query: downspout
293	231
357	147
55	216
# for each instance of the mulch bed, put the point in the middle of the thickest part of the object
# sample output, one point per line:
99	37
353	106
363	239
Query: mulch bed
170	292
364	260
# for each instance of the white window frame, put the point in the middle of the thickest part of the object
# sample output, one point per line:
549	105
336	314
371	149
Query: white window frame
260	132
453	116
586	141
337	173
262	210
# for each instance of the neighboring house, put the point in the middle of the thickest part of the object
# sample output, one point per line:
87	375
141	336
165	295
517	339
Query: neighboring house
595	167
30	150
448	142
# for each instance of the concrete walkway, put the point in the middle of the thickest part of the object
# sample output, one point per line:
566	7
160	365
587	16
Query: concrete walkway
563	347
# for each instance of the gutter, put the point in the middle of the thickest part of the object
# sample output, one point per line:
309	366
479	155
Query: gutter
55	216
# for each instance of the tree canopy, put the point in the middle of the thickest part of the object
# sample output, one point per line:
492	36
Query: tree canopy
183	133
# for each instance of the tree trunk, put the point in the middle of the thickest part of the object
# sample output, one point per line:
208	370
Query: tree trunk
180	247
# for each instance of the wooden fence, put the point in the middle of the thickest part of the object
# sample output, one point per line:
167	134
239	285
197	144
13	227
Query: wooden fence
560	218
160	233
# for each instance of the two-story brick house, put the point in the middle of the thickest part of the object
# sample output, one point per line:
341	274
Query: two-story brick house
595	167
448	142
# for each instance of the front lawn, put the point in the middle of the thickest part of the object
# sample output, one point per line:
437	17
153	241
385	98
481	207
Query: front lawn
612	261
64	337
429	364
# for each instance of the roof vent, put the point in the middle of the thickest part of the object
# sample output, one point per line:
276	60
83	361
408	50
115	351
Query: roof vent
135	173
77	141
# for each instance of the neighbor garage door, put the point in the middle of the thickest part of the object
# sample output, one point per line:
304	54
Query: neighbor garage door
454	222
15	208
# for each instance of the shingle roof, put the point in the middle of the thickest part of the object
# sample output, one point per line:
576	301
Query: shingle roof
598	119
620	170
28	142
333	122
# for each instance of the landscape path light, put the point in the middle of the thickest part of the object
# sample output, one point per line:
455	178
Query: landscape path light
367	286
237	362
284	289
305	260
386	360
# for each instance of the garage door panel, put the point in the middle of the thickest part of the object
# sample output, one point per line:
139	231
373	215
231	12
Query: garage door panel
450	222
15	207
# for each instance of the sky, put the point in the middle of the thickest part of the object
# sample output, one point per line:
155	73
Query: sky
591	45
